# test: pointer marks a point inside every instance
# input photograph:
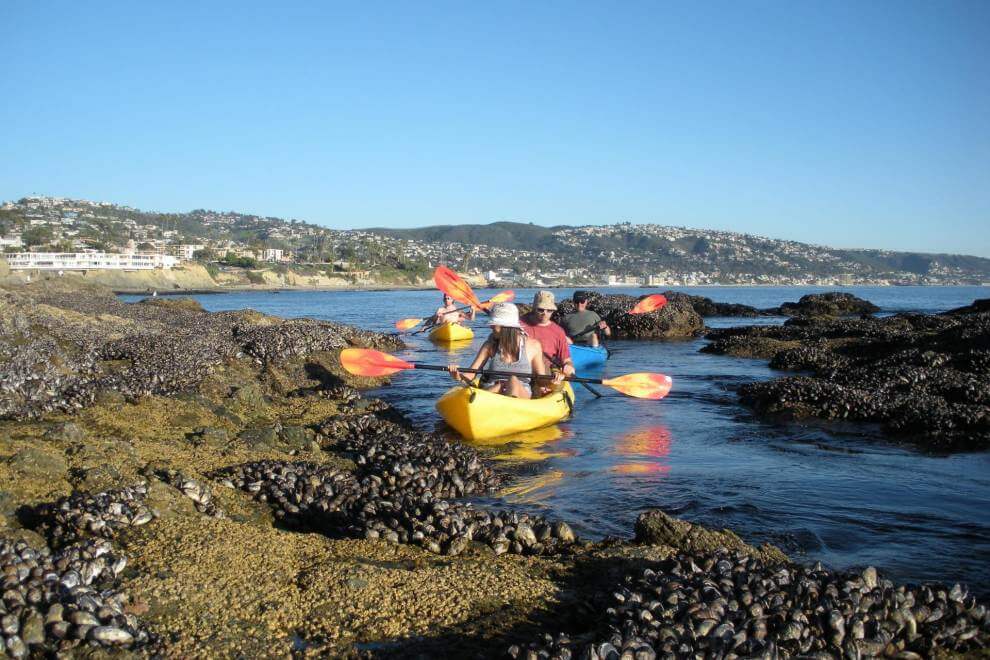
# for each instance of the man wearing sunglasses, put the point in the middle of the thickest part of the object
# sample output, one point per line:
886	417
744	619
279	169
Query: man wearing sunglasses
551	336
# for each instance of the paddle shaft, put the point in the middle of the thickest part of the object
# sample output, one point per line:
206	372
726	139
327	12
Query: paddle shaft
495	372
601	341
458	309
585	331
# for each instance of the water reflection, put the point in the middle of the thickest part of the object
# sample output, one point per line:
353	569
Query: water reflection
453	347
643	451
534	488
529	446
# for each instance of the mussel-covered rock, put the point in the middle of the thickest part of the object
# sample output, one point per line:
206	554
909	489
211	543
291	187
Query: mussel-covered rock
733	604
59	351
675	320
923	376
833	303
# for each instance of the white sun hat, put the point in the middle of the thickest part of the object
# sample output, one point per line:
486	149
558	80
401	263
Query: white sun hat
505	314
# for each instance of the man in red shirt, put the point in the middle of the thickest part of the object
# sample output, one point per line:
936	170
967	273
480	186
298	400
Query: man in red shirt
538	325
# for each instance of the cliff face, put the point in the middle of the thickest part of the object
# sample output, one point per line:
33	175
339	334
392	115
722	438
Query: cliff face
188	276
194	277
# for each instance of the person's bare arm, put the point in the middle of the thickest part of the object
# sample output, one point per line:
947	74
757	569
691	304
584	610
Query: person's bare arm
534	351
479	360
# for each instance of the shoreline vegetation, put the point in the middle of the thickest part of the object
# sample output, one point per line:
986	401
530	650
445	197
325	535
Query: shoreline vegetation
184	483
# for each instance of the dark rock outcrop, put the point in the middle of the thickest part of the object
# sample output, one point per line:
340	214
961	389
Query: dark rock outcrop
675	320
707	307
833	303
657	528
922	376
979	305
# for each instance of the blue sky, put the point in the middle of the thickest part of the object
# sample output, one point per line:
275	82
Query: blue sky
852	124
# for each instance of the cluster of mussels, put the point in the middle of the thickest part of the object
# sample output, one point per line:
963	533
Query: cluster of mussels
270	343
731	605
57	601
83	515
407	460
196	490
923	375
344	394
400	492
60	359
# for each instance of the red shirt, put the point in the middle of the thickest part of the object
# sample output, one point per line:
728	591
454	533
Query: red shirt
554	341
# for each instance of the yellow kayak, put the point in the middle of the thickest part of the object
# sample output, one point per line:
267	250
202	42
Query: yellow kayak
451	332
478	414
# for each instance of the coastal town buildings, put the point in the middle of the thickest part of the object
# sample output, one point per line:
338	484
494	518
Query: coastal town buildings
187	251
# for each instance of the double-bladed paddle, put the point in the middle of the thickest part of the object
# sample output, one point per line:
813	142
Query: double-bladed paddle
451	283
504	296
368	362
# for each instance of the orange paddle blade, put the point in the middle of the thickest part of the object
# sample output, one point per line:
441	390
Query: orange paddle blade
407	324
451	283
649	304
366	362
641	385
504	296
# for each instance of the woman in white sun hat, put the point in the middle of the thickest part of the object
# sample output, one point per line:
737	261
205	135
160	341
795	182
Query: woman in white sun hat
507	349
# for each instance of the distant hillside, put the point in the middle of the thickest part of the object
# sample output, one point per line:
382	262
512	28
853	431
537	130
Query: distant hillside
657	248
508	235
521	253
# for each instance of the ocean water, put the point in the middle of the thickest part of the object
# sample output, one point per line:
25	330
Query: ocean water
842	494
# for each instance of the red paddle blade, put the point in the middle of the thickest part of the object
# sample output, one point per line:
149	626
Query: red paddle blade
641	385
366	362
649	304
504	296
407	324
451	283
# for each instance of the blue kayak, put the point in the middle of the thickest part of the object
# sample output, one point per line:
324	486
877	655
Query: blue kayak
587	357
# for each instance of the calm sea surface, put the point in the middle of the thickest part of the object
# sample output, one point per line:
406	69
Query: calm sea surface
843	495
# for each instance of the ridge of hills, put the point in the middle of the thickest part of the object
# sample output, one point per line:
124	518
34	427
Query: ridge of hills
661	247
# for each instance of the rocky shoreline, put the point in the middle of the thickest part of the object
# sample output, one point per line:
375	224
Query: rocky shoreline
181	483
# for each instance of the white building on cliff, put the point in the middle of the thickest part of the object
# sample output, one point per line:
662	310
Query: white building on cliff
90	261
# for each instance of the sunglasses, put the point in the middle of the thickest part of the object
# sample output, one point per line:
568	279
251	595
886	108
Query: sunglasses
545	311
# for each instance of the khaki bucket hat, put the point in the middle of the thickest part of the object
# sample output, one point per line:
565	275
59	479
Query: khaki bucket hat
544	300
